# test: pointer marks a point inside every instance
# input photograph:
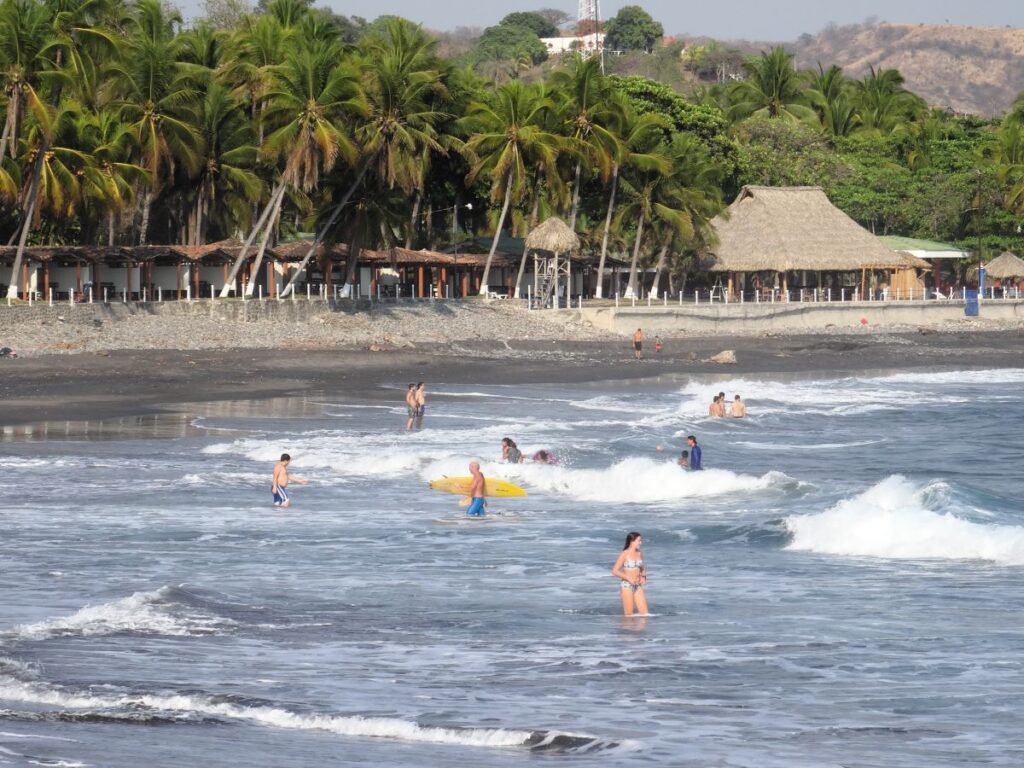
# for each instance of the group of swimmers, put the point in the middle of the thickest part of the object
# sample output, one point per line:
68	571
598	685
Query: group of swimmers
416	404
717	408
510	454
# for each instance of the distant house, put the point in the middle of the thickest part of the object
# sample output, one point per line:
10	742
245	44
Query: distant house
583	43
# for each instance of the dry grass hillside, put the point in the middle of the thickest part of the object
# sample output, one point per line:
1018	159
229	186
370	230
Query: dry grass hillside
976	70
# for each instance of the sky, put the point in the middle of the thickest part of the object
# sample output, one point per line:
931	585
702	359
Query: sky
739	19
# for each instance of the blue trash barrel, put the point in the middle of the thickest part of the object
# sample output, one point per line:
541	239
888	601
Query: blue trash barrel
971	305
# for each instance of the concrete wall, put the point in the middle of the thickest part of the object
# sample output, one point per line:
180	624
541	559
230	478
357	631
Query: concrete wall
752	319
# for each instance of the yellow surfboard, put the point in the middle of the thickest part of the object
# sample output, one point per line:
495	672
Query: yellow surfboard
462	485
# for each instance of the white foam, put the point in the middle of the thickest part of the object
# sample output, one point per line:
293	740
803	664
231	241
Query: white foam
150	613
896	519
634	480
379	727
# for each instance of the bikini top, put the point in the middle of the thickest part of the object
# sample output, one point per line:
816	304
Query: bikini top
633	564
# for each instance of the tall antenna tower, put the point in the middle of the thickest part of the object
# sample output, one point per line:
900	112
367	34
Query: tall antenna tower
588	24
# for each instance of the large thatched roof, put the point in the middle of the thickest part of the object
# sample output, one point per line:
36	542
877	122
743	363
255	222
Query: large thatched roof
790	228
1005	266
553	236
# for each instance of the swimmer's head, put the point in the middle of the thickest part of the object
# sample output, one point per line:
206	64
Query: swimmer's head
285	457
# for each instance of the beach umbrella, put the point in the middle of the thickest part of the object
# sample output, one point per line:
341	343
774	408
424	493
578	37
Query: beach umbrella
1007	266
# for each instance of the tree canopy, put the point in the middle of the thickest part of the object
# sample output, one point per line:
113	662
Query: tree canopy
632	29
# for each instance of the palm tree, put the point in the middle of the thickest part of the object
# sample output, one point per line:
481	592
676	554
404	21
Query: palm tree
398	112
695	197
829	94
590	110
1009	158
773	88
159	101
24	38
883	103
637	135
508	136
310	93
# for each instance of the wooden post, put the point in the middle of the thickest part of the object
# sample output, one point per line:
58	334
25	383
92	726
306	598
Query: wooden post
78	276
24	280
46	278
225	273
271	280
785	285
465	287
419	281
177	277
863	282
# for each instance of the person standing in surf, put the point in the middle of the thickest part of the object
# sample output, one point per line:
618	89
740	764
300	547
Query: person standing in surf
629	568
476	491
638	344
695	453
421	403
411	406
279	485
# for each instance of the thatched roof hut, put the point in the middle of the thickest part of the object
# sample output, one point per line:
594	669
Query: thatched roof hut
553	236
782	229
1006	266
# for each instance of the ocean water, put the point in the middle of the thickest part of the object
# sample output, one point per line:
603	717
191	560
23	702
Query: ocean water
843	586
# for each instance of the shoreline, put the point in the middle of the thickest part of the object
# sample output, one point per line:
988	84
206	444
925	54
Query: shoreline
97	386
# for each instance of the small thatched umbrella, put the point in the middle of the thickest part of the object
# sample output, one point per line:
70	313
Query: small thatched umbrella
553	236
1007	266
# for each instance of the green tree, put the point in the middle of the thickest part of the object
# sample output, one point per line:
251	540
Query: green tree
829	93
632	29
510	43
508	136
883	103
773	88
533	21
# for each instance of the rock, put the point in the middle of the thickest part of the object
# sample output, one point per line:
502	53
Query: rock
726	357
692	357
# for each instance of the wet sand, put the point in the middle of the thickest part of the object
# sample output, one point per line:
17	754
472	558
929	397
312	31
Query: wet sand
125	383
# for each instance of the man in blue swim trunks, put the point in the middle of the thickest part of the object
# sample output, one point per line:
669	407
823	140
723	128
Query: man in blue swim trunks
279	485
476	491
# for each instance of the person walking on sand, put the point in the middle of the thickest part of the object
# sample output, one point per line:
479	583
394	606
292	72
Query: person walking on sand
629	568
411	406
695	454
739	408
279	485
476	491
638	344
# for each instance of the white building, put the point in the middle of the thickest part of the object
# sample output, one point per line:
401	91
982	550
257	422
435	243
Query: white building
583	43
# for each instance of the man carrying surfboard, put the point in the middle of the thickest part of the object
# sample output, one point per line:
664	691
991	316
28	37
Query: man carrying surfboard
476	491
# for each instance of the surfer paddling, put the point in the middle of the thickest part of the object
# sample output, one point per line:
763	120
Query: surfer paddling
629	568
279	485
476	491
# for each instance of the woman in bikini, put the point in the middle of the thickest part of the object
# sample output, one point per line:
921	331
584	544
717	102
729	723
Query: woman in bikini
632	573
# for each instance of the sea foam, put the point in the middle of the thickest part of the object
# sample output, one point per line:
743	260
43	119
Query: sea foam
149	613
896	519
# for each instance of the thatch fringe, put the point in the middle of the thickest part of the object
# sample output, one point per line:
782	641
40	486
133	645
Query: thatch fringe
1006	266
781	229
553	236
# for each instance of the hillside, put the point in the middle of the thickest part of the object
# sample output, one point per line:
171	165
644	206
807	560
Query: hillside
976	70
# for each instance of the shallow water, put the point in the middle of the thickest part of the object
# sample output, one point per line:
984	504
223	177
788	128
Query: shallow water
843	586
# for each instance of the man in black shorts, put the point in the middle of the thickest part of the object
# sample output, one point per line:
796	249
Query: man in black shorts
638	344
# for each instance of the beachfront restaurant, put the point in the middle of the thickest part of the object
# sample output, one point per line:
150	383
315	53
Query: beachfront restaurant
943	259
793	244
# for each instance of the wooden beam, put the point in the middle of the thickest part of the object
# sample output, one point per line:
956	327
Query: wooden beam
419	282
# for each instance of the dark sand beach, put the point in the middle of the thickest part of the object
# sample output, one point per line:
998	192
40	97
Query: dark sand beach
133	382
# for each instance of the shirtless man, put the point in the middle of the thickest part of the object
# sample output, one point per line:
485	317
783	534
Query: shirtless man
421	401
476	491
410	405
739	408
279	486
638	344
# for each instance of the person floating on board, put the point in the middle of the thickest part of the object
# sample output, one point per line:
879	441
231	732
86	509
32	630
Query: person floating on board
695	453
478	502
739	408
638	344
630	569
279	486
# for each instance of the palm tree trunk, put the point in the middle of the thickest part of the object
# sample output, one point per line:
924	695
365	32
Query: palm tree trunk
412	220
110	229
260	224
607	230
576	196
144	227
533	223
271	222
322	233
9	127
631	285
655	292
26	226
497	234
